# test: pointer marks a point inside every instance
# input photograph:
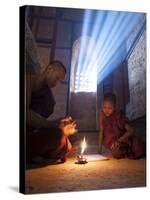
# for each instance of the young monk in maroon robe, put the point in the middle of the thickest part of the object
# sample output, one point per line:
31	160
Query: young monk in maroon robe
118	135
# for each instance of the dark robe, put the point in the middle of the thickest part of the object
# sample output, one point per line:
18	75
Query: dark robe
49	143
114	128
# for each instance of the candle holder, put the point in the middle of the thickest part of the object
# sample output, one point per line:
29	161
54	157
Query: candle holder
81	159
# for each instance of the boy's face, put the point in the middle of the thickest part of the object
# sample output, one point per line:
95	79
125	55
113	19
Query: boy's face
108	108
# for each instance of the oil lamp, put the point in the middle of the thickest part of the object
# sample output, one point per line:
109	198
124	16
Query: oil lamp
80	158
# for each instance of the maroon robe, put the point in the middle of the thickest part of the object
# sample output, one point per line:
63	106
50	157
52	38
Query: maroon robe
49	143
114	128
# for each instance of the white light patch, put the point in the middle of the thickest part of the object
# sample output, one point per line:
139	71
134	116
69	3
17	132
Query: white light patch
84	83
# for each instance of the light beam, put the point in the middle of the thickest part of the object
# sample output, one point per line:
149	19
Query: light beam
109	33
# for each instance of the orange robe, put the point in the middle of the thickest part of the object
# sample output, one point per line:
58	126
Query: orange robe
50	143
114	128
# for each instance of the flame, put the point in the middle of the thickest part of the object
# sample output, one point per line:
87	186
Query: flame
83	146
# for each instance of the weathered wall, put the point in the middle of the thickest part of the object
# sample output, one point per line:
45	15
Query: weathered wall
83	110
137	80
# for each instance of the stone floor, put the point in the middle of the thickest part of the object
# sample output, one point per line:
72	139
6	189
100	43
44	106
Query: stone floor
94	175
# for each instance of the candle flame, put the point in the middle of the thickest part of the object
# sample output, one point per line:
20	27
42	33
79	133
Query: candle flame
83	146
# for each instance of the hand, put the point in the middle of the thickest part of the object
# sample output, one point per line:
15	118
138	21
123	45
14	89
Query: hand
115	145
68	126
69	129
66	120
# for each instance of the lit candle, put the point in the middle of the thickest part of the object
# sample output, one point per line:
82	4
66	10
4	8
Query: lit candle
81	159
83	146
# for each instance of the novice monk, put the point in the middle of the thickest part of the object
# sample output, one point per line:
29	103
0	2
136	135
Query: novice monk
117	133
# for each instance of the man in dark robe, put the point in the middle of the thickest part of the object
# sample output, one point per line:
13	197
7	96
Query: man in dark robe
45	139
